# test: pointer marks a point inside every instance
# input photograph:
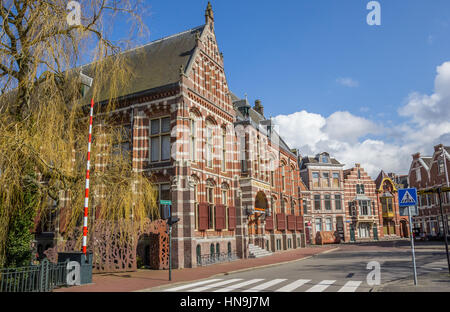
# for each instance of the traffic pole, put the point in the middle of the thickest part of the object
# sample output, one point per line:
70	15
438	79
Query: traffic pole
444	226
412	245
86	195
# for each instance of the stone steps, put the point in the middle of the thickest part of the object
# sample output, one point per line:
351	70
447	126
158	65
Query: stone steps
257	252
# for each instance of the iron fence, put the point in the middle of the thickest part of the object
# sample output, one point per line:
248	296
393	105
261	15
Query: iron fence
35	278
216	258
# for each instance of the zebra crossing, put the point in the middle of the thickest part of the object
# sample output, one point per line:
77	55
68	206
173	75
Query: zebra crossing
261	284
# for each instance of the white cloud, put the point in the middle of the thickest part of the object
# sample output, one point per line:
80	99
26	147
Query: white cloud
348	82
425	109
352	139
349	128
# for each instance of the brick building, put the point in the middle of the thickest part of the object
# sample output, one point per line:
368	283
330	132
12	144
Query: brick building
392	224
231	179
361	205
268	180
427	172
323	177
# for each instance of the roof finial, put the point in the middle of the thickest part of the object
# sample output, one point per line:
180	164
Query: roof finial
209	14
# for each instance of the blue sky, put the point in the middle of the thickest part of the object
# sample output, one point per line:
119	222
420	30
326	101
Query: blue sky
321	57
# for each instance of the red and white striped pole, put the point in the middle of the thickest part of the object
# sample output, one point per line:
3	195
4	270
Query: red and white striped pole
86	196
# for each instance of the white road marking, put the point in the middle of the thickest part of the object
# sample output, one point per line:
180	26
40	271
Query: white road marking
265	285
226	282
350	286
293	286
237	286
321	286
193	285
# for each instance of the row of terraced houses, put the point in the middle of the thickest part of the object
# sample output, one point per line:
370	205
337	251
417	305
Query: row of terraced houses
234	183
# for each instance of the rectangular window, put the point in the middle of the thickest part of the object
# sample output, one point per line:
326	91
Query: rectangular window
325	179
318	225
165	147
224	151
160	139
209	147
328	202
337	202
196	216
363	208
328	226
336	180
154	126
305	206
154	145
360	189
192	140
418	176
317	202
315	176
225	203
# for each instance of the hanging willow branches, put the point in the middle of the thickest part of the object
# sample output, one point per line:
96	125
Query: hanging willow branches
43	116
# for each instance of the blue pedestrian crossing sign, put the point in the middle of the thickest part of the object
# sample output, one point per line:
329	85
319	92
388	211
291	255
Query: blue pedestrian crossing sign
407	197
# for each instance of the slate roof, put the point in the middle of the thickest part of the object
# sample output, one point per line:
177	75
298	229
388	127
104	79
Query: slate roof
157	63
314	160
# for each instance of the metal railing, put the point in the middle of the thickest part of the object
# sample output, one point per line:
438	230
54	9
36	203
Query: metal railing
35	278
216	258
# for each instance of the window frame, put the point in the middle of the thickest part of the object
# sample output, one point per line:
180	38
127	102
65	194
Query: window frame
159	135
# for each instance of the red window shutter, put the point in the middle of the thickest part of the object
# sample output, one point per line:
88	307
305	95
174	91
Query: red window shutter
281	221
231	218
269	223
291	222
220	217
299	223
203	216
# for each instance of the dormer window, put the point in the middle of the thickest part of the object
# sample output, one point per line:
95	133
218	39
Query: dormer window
324	159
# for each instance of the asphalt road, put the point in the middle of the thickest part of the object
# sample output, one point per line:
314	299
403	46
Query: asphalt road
343	270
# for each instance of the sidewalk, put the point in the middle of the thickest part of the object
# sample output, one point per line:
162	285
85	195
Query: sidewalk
145	279
429	282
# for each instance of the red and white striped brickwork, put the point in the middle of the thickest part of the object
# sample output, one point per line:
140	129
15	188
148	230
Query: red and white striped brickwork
351	179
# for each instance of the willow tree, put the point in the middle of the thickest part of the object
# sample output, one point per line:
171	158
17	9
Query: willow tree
43	116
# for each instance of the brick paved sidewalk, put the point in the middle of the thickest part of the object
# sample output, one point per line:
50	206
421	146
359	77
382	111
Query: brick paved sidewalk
145	279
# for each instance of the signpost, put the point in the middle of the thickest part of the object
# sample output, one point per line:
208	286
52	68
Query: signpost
408	198
167	215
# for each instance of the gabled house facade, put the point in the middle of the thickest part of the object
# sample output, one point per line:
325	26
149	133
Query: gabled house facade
361	205
430	173
391	222
323	176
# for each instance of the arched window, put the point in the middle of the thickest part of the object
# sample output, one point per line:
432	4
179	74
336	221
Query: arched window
229	249
217	250
211	251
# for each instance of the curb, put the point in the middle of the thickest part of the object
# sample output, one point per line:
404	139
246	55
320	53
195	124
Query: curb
240	270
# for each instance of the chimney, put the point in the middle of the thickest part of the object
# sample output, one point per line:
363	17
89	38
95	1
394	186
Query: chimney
259	108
